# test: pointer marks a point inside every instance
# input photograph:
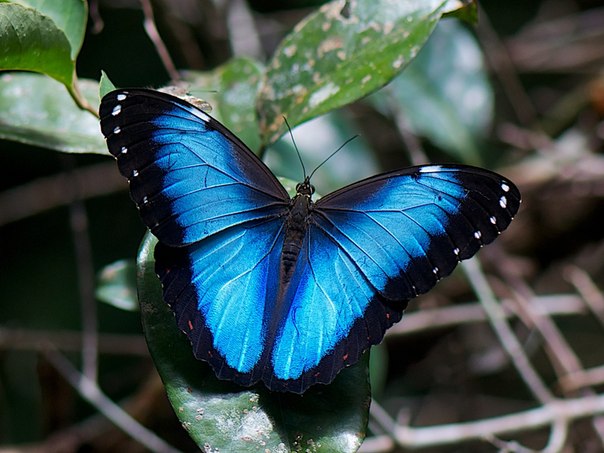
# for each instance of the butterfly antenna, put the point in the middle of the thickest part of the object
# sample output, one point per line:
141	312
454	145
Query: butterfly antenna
333	154
295	146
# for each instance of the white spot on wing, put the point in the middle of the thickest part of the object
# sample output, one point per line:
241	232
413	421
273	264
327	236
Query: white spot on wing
117	130
493	219
134	173
117	110
430	168
477	234
124	150
456	251
505	187
121	96
203	117
503	202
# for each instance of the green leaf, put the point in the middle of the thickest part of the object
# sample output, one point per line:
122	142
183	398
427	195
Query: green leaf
105	85
38	111
116	285
340	54
68	15
445	93
32	41
221	416
231	90
378	367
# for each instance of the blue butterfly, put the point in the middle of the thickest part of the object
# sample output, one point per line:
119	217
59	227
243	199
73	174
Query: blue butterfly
288	291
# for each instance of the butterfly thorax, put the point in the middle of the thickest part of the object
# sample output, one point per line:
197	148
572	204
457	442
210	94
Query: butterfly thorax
295	229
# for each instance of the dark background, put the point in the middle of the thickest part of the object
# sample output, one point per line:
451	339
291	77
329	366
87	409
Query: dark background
560	226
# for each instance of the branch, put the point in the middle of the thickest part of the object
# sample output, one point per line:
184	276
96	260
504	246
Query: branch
504	332
425	320
549	413
153	33
93	394
69	340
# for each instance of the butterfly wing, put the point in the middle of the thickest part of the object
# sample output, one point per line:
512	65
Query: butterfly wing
218	213
222	291
189	176
372	246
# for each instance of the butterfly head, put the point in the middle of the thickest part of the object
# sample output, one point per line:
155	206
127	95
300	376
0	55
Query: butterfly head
305	187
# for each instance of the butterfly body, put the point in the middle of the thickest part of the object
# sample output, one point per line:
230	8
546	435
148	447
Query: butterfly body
288	291
296	225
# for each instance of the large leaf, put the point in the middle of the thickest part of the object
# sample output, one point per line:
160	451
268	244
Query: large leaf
68	15
221	416
231	90
342	52
31	41
445	93
38	111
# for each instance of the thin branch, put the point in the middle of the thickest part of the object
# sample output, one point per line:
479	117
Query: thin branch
93	394
154	36
417	155
558	436
499	59
425	320
48	193
78	221
455	433
69	340
97	432
587	288
571	43
581	379
560	353
504	332
77	97
95	17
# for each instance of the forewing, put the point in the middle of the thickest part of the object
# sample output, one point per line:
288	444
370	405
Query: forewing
407	229
189	176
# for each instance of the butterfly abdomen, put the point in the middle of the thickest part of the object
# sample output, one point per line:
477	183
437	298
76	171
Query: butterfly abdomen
295	229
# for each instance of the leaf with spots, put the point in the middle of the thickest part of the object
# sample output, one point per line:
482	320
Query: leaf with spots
339	54
221	416
231	90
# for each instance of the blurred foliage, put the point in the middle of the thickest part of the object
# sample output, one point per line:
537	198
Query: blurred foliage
520	92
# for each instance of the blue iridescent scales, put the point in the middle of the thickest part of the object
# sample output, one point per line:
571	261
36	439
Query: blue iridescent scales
288	291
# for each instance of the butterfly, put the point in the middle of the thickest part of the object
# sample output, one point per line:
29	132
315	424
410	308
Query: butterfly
280	290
